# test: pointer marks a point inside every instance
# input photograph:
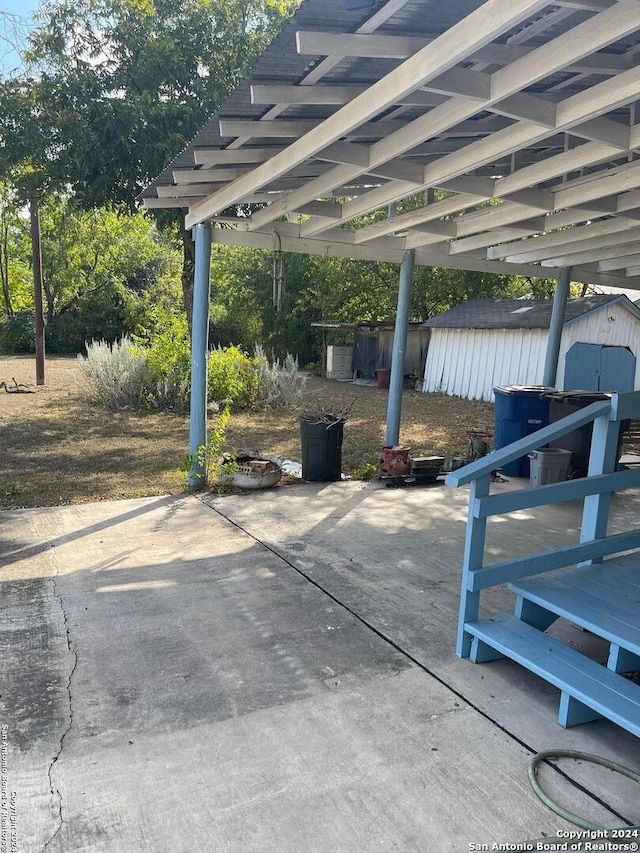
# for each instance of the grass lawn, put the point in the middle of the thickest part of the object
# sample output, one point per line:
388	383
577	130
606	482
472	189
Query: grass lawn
56	449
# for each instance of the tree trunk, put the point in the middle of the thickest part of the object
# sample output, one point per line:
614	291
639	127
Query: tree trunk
188	269
4	270
51	305
34	213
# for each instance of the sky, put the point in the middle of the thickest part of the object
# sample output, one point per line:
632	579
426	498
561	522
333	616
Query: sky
23	9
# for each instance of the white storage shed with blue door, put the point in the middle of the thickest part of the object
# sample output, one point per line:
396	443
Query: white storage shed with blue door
485	343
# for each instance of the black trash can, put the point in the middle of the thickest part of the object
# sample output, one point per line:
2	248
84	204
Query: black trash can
519	411
321	436
563	403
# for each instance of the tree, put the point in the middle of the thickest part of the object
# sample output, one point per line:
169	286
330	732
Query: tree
123	85
29	164
13	32
8	220
103	271
335	290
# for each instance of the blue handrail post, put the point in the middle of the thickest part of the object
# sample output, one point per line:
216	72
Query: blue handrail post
394	405
199	351
603	460
473	559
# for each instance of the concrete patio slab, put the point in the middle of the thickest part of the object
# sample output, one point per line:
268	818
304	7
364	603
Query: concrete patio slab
394	557
271	672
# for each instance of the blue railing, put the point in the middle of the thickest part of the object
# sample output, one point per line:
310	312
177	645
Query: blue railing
596	488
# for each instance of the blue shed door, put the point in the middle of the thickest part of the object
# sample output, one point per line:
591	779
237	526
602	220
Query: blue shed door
594	367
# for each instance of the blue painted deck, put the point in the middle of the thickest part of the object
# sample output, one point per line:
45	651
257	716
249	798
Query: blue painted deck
575	583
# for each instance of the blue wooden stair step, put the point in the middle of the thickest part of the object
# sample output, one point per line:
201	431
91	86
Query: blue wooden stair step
603	598
589	690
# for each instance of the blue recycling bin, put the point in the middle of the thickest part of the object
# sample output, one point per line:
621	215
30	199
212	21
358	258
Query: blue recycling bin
519	411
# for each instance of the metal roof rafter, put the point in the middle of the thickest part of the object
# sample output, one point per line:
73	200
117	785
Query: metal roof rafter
526	105
479	28
509	81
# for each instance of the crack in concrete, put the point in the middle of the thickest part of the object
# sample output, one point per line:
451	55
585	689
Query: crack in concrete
55	791
469	704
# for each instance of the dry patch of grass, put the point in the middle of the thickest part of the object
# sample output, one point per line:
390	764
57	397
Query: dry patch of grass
55	449
431	423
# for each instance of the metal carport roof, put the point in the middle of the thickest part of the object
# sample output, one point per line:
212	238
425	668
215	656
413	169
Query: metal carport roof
510	124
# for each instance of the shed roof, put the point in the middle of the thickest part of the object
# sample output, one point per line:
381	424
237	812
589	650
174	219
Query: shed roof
527	104
372	325
519	313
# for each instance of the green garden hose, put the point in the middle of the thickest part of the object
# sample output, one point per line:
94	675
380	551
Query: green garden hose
551	754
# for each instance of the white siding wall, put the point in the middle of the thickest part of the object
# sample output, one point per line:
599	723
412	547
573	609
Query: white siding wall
612	324
471	362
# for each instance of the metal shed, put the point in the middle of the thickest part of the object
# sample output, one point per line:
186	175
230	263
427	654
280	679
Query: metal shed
373	346
484	343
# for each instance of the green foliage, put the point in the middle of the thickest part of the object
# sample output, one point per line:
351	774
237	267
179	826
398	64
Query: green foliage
106	314
15	272
239	298
28	154
232	377
17	333
123	84
128	374
367	471
85	252
168	354
107	273
113	376
211	466
242	301
115	90
334	290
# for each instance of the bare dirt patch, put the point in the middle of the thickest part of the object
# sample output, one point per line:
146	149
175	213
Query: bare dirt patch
56	449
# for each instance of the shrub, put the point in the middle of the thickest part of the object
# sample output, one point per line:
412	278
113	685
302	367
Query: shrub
114	376
17	333
232	377
104	315
168	355
279	385
215	467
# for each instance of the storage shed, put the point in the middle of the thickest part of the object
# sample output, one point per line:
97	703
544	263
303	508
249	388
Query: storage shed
484	343
373	346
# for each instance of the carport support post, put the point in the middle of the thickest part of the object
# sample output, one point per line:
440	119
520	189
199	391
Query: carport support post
555	328
199	350
394	406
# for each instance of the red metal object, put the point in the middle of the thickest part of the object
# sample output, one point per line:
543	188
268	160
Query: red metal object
383	375
394	460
